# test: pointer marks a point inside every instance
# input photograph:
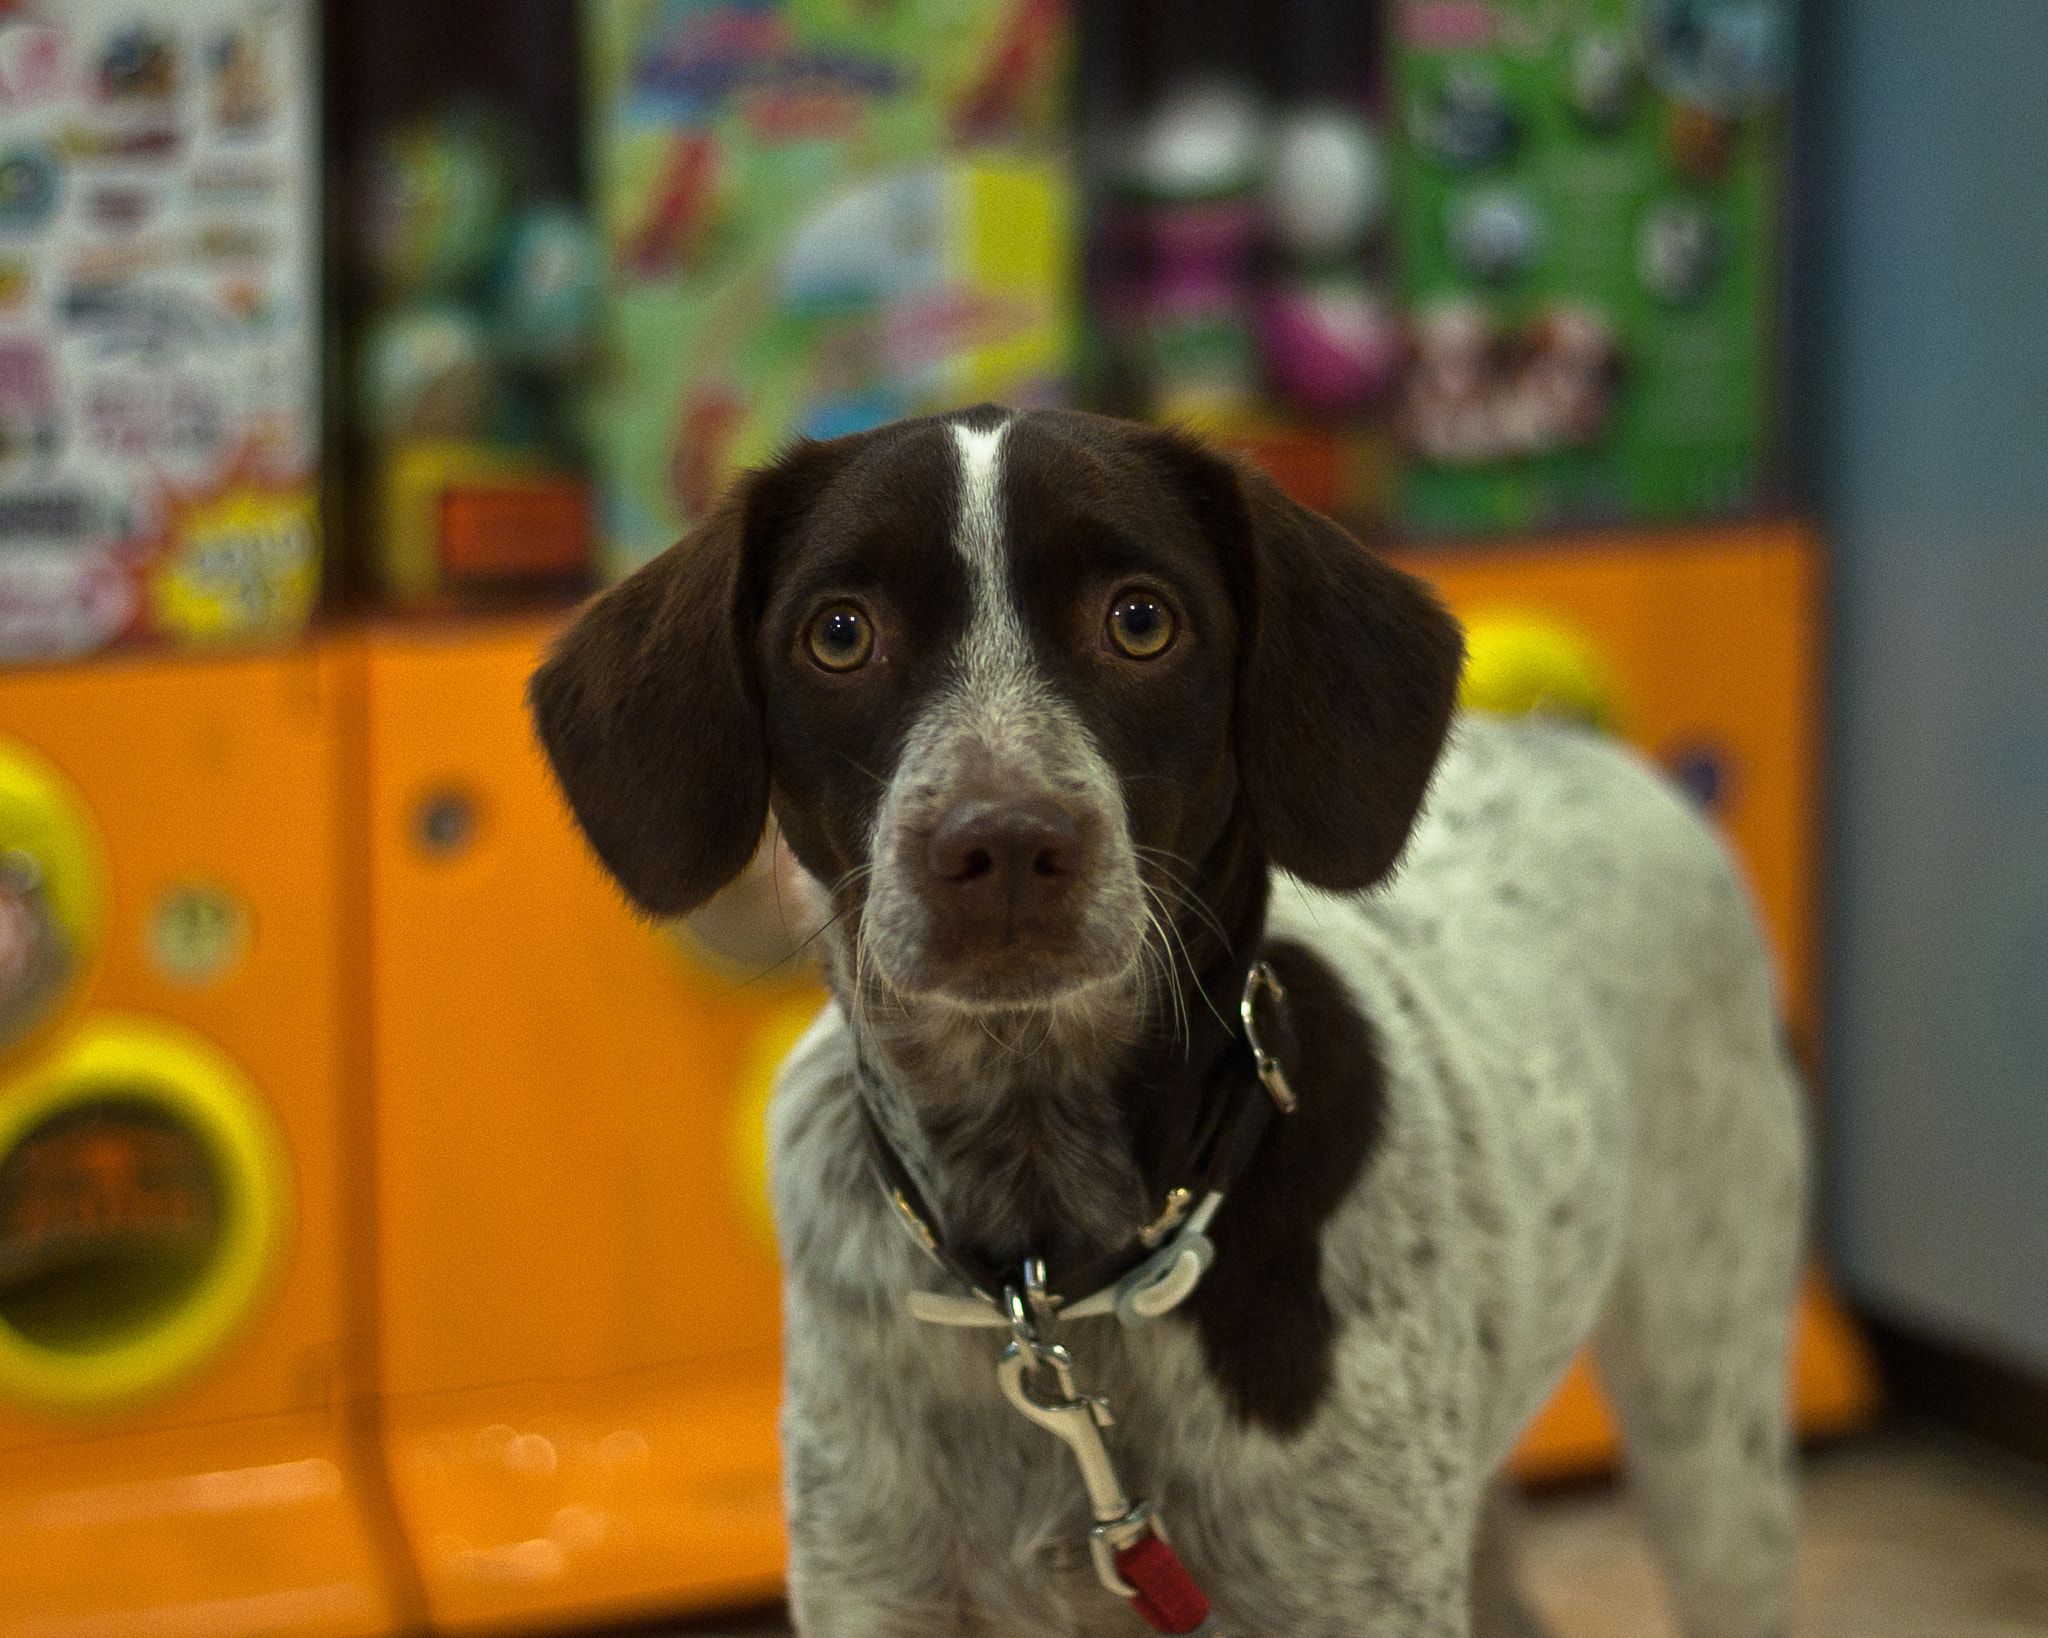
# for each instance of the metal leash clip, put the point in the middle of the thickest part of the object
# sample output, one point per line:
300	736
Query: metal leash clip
1077	1419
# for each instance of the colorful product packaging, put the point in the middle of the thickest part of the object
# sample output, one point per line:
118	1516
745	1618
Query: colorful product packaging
1244	287
470	363
1588	201
821	215
159	288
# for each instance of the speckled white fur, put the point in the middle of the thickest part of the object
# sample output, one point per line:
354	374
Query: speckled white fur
1591	1131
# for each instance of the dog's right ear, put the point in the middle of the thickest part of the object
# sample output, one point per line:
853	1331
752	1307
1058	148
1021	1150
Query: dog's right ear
652	725
648	707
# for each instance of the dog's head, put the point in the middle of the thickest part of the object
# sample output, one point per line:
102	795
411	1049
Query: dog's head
1001	677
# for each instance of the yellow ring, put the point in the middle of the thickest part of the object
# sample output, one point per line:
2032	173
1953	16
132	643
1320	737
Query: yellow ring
42	814
187	1078
774	1037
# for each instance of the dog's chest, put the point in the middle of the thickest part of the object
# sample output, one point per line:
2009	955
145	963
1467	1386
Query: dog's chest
919	1460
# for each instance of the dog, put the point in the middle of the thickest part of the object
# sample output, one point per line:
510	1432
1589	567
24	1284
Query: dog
1258	1077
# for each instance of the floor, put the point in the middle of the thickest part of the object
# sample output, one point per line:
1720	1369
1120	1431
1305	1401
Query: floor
1905	1535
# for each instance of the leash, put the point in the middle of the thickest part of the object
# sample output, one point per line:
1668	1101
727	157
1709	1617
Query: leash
1133	1557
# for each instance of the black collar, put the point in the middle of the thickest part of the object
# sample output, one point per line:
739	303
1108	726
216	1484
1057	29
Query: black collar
1243	1087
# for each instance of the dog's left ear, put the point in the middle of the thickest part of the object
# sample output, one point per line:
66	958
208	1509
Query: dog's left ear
1347	674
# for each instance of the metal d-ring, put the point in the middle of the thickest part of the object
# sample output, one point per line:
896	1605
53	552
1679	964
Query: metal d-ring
1271	1076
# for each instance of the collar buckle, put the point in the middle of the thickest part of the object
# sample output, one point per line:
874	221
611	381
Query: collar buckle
1177	1203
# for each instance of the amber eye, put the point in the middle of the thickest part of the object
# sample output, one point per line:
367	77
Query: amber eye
1140	625
842	638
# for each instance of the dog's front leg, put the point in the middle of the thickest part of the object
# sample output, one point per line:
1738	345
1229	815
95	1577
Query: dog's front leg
900	1473
865	1560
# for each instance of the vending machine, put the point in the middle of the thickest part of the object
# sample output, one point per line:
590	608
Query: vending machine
184	1436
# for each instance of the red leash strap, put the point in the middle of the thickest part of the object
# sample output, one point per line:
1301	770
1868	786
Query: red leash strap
1166	1597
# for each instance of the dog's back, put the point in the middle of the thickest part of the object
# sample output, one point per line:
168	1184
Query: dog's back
1578	1024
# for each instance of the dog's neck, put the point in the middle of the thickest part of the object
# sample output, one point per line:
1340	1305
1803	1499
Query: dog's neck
1048	1131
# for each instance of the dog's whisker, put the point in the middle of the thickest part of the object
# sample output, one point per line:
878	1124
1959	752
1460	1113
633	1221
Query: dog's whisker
1186	960
1183	1032
1001	1045
1180	972
1151	977
1160	962
1183	897
822	929
858	999
850	875
834	895
774	846
861	768
1163	861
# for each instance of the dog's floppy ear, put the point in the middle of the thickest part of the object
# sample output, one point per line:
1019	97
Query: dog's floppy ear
648	708
1346	678
653	727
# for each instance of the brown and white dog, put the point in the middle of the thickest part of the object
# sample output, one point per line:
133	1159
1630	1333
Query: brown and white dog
1072	722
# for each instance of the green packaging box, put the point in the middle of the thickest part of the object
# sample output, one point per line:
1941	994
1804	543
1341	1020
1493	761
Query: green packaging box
1588	212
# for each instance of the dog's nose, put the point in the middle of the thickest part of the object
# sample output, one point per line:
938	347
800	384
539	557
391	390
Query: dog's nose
996	855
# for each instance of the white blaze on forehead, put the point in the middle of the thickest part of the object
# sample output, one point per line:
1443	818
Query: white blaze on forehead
979	534
994	641
999	725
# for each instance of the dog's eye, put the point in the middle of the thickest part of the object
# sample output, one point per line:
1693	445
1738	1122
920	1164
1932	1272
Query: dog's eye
842	638
1140	625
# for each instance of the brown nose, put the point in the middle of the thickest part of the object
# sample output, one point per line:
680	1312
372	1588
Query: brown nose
996	858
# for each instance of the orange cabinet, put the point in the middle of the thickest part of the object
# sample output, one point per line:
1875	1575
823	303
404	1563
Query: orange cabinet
183	1270
577	1291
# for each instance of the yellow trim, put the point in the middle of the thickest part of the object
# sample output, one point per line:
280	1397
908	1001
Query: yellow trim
42	814
192	1080
1516	663
774	1038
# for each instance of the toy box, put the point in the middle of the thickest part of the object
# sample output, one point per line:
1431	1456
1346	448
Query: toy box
1587	209
821	215
158	312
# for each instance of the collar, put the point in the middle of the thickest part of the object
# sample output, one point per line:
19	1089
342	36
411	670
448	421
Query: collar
1160	1266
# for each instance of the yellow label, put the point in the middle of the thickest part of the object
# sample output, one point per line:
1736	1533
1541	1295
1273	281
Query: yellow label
245	563
1014	246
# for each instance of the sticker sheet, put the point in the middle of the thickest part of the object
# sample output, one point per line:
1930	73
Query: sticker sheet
159	319
1588	204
